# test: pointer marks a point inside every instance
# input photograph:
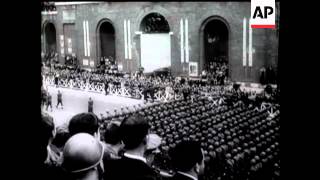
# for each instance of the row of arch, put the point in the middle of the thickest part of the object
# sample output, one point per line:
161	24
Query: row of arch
214	36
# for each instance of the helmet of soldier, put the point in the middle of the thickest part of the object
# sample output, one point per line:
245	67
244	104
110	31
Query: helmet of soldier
82	152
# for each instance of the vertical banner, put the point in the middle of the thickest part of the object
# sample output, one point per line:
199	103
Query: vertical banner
250	47
263	14
181	41
187	40
129	39
84	38
88	40
244	43
125	38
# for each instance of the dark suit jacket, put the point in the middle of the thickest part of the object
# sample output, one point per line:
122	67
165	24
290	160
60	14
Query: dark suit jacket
127	168
50	172
179	176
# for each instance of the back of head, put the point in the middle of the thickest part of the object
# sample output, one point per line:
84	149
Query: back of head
81	153
47	126
46	133
186	155
84	123
112	133
134	130
61	137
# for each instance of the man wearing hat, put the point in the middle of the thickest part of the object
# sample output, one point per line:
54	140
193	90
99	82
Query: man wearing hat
133	164
82	157
56	79
90	105
48	133
44	96
106	85
59	99
49	101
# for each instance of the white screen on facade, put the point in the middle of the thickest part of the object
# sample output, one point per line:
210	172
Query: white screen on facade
155	51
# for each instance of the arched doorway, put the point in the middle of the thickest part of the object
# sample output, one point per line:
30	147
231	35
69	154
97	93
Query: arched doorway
154	23
214	43
155	43
50	38
106	41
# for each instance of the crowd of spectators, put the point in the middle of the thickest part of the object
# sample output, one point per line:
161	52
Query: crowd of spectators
237	141
147	87
49	58
216	72
268	75
234	133
48	6
137	85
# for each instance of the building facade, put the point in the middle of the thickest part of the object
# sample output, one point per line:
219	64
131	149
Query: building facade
92	30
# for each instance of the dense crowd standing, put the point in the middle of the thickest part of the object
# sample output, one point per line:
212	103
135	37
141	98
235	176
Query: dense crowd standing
48	6
216	72
137	85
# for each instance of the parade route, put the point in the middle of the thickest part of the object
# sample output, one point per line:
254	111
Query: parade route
76	101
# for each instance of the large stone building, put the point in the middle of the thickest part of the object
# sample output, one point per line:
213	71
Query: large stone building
157	34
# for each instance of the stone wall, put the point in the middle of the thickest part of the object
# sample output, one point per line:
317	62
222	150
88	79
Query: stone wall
264	41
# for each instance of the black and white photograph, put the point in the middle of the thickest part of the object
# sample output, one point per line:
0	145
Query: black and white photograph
160	90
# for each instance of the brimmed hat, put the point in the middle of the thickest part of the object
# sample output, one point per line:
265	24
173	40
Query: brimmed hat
82	152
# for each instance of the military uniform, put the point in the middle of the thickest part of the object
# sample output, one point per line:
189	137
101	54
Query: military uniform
49	101
90	106
59	96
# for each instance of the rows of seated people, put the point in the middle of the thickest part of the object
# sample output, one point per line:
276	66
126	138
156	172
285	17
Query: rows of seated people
239	141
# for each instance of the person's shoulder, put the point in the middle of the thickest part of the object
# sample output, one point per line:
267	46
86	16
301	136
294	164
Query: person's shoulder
51	172
139	165
178	176
112	164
